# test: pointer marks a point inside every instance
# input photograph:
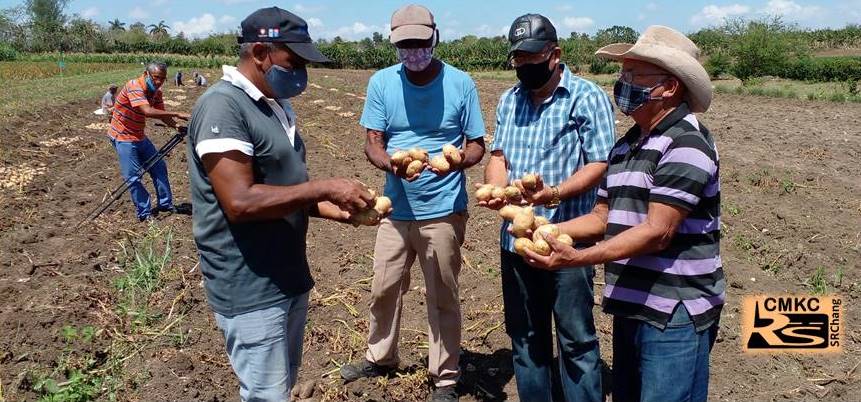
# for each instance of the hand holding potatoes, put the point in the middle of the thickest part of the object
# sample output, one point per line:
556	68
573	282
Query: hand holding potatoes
448	161
409	165
490	196
382	207
348	195
533	190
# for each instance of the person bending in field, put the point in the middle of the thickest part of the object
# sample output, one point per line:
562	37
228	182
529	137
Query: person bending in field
141	98
560	127
252	200
658	220
108	100
425	103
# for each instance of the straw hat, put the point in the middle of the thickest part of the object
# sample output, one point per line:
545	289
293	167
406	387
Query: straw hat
672	51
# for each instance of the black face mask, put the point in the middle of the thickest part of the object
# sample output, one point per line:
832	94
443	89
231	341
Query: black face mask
534	76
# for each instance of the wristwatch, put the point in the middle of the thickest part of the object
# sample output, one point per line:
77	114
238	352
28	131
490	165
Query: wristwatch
555	201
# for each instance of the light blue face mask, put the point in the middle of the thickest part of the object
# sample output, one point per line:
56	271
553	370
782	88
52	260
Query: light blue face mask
287	83
150	85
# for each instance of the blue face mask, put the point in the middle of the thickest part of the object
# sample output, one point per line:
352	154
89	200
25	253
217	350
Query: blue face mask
150	85
630	97
287	83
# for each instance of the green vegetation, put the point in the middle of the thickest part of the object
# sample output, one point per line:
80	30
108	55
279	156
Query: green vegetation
92	364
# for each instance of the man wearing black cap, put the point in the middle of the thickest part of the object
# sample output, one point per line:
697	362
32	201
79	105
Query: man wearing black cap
252	199
560	127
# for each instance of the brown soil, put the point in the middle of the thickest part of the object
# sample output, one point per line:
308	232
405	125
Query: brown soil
792	203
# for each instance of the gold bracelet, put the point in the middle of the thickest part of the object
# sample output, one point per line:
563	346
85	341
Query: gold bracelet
555	201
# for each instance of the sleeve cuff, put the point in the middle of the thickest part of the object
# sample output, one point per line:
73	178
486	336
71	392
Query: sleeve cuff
220	145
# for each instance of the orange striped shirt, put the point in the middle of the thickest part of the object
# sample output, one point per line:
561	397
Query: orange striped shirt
128	121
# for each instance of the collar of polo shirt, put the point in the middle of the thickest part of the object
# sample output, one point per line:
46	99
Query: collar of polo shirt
233	76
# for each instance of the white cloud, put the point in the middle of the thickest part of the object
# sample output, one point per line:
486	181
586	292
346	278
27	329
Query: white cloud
226	19
790	9
315	22
712	14
90	12
565	8
305	9
197	26
578	23
138	13
159	2
651	7
356	30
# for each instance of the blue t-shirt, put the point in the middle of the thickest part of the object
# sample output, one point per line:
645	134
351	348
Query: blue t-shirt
442	112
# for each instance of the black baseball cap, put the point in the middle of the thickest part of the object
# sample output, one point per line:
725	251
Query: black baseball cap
530	33
274	24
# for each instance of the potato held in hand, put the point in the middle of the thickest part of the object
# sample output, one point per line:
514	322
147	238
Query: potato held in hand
452	154
419	154
551	230
529	181
382	205
541	221
541	247
512	194
401	158
483	193
368	217
508	212
565	239
415	167
441	164
498	193
523	222
521	245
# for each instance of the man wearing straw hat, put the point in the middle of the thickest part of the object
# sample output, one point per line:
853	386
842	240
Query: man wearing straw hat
658	213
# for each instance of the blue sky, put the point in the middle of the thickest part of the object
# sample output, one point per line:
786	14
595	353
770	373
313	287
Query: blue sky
456	18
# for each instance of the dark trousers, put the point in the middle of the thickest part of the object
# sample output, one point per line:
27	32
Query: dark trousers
535	300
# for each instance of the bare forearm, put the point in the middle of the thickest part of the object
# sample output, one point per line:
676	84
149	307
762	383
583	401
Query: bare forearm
265	202
473	153
375	151
589	228
586	178
154	113
496	172
638	240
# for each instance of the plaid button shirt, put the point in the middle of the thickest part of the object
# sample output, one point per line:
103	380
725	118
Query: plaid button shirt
575	126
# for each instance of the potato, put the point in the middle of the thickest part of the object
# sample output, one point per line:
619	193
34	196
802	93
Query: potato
498	192
414	168
440	163
551	230
540	221
564	238
483	193
541	247
512	194
508	212
368	217
529	181
452	154
382	205
419	154
521	245
400	158
522	223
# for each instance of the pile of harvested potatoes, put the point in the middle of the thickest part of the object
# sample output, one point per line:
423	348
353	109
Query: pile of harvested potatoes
523	219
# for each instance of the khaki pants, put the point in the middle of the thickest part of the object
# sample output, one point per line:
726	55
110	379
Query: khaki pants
436	243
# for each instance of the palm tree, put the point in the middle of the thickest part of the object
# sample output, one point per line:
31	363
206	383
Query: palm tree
159	30
116	25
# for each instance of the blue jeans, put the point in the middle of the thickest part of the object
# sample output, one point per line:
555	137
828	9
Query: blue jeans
534	299
265	348
132	155
651	365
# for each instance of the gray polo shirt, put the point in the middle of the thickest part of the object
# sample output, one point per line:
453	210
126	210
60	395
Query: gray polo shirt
253	265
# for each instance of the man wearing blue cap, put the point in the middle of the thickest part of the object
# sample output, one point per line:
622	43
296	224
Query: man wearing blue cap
252	199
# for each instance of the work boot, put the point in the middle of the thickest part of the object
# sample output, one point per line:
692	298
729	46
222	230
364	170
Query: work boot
365	369
444	394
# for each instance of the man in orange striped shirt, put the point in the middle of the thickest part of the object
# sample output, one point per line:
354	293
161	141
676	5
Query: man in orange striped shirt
140	99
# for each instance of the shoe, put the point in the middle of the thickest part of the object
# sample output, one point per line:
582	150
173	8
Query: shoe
147	219
180	209
444	394
365	369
